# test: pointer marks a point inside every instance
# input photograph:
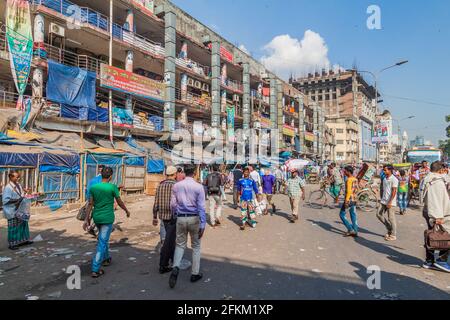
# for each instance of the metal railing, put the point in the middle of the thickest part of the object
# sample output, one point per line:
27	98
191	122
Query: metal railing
194	66
9	99
98	20
193	99
233	84
71	59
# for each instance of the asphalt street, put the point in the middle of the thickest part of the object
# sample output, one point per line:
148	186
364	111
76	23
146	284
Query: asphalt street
277	260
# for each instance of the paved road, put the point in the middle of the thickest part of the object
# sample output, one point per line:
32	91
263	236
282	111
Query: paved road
277	260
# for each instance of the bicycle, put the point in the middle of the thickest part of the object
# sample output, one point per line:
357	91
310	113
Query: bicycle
366	198
319	198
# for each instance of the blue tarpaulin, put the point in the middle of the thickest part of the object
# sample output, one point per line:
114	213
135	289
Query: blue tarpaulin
98	114
48	162
71	85
155	166
58	189
135	161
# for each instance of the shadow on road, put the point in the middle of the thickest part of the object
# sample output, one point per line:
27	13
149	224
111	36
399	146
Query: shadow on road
134	274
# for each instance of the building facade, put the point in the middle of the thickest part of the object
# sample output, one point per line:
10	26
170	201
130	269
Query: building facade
350	111
196	78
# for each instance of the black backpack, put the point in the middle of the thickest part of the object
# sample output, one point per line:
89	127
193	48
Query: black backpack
214	182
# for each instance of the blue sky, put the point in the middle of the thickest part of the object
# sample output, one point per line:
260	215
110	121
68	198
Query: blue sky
413	30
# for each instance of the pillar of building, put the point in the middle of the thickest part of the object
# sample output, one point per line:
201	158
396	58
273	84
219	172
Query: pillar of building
301	122
183	119
246	108
273	102
316	128
170	69
280	113
129	61
215	84
37	83
321	134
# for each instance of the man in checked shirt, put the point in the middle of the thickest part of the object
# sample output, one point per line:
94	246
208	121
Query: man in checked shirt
162	210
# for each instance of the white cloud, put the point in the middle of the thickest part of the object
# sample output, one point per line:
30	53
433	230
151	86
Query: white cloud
286	55
244	49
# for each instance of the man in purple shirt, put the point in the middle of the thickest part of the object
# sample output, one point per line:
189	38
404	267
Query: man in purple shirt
268	186
188	204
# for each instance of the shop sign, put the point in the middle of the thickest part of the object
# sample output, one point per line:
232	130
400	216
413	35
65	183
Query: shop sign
128	82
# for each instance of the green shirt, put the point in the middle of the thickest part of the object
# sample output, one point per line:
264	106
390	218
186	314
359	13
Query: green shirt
104	195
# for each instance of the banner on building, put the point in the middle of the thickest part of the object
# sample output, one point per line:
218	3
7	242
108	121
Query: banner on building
230	123
265	123
310	137
128	82
147	5
288	130
224	53
20	43
380	133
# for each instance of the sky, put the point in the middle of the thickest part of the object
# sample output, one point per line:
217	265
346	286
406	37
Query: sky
297	36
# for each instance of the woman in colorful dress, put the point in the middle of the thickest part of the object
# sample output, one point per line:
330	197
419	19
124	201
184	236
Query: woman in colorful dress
16	211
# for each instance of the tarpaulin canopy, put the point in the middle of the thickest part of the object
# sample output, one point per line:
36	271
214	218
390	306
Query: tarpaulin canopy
46	161
72	86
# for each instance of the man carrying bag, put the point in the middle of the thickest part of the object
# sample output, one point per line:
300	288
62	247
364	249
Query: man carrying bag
436	211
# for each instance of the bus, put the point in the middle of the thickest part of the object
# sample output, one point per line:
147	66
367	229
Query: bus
423	153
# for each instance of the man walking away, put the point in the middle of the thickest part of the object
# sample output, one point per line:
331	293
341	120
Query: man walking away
247	187
102	196
436	211
279	179
188	203
388	201
295	186
214	182
237	176
351	186
163	212
336	182
403	188
268	189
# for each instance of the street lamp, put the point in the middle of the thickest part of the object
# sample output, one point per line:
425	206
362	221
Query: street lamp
376	77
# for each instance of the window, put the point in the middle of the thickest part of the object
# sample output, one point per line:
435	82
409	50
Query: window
339	141
339	130
340	154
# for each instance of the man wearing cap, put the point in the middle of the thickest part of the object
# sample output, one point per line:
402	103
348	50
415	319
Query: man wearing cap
295	189
163	211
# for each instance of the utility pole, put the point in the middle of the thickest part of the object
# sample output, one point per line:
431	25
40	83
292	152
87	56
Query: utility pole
110	104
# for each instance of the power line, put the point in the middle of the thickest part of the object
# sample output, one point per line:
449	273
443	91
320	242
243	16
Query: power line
418	101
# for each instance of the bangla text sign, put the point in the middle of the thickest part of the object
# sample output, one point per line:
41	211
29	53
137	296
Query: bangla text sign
128	82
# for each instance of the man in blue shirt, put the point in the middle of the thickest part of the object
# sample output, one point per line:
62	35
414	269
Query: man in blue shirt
246	187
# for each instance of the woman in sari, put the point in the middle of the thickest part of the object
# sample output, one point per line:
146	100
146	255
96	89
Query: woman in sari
16	212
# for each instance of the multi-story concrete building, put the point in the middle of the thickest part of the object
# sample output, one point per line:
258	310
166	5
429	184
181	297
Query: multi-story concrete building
194	75
350	112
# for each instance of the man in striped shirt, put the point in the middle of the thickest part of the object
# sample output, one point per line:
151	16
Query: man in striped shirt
163	211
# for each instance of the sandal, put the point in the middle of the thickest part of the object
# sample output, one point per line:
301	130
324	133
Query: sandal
96	275
107	262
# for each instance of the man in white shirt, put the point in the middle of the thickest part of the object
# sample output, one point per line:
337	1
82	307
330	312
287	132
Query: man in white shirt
388	202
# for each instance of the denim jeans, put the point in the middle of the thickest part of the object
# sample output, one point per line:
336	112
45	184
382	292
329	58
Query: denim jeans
354	225
102	254
403	200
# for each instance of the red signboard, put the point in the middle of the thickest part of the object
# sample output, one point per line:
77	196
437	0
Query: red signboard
128	82
224	53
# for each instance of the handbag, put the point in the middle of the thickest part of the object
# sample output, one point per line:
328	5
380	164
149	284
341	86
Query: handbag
437	239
